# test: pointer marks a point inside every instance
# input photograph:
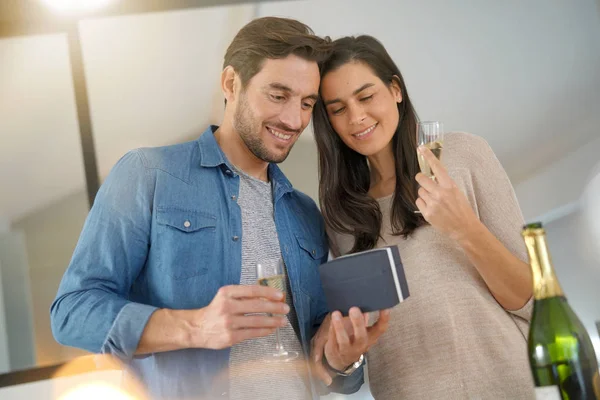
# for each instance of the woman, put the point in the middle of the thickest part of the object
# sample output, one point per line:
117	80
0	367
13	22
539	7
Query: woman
461	334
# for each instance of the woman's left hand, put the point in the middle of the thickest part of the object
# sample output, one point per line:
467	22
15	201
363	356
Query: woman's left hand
441	202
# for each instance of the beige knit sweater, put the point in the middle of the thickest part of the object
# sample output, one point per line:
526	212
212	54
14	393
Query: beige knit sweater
451	339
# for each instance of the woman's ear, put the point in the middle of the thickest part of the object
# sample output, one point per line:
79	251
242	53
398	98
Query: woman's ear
395	88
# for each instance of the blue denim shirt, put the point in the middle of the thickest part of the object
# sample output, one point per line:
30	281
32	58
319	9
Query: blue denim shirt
165	231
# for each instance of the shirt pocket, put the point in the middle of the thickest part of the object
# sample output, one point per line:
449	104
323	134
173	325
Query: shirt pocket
311	254
186	240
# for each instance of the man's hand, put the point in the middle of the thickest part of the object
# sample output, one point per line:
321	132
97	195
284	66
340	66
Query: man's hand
229	319
225	321
343	340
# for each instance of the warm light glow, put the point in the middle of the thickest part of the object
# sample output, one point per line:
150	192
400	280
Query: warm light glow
74	6
96	391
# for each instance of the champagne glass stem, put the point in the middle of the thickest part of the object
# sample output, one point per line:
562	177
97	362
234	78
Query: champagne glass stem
278	339
273	274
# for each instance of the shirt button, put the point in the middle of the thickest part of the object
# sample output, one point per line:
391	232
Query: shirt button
233	197
187	224
228	172
235	238
314	252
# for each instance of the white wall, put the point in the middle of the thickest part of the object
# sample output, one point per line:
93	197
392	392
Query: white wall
522	74
51	235
38	118
4	357
555	191
163	71
578	269
17	300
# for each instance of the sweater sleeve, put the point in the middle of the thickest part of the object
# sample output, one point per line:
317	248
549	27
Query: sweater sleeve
495	200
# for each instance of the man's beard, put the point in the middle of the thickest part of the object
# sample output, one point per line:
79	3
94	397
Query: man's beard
243	123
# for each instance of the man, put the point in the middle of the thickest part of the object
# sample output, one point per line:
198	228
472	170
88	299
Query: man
164	273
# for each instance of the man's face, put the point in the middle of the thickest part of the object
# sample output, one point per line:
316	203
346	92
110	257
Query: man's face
276	106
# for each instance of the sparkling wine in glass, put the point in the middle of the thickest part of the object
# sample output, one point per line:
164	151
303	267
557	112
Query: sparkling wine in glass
431	135
272	274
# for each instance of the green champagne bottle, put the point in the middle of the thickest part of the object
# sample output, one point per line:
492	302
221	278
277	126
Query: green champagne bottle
561	355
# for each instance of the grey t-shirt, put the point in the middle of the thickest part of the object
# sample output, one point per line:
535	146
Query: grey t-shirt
251	377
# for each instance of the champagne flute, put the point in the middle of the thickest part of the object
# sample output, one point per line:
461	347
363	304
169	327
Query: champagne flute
431	135
272	273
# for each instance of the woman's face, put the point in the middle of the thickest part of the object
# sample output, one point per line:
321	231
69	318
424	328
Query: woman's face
361	108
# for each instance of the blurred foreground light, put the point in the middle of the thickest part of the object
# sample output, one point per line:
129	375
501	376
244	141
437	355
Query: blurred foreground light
96	391
76	6
97	377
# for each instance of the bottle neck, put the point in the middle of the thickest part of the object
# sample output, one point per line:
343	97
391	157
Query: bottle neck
545	282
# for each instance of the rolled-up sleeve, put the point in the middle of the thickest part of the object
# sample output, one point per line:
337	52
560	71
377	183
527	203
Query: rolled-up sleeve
91	310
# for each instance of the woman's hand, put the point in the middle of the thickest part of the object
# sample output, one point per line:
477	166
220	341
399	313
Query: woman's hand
441	202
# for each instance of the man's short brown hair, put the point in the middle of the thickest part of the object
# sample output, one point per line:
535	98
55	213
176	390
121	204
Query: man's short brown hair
273	38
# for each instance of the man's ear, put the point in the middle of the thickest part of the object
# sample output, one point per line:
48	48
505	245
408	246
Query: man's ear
228	83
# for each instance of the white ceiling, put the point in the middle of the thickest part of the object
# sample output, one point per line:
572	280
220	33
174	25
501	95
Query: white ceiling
524	75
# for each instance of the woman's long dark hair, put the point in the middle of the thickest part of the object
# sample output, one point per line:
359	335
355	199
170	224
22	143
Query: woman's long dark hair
344	176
